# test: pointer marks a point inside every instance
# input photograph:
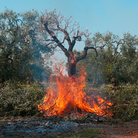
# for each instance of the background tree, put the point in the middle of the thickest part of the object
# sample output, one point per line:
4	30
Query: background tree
117	59
126	67
9	49
36	41
21	55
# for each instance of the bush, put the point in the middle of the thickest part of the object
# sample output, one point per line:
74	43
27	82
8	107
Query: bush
125	101
20	101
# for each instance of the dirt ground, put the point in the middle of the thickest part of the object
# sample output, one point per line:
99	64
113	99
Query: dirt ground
122	130
27	128
119	130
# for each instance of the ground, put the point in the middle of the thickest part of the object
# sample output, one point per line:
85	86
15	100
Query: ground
126	129
30	127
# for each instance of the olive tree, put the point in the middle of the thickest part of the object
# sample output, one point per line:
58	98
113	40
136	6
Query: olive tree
64	33
21	53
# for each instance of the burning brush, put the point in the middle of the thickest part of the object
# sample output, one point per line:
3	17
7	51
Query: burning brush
68	97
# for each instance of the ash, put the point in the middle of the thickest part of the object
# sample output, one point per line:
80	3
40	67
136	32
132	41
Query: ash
14	127
44	127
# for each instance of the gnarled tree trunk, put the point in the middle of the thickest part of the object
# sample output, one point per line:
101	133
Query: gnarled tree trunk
71	67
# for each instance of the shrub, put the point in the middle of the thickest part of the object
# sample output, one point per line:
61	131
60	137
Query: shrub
125	101
20	101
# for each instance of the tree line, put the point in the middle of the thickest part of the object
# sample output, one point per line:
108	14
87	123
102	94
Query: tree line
27	38
117	60
21	52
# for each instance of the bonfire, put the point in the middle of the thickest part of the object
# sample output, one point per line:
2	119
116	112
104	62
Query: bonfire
67	96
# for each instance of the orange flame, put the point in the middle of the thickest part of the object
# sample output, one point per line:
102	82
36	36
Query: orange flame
67	96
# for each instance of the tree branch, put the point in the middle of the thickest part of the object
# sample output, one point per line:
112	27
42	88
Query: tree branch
51	33
85	53
50	43
74	39
67	37
115	51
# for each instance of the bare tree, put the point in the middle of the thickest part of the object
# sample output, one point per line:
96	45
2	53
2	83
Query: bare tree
63	33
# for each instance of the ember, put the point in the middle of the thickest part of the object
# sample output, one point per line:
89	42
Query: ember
68	97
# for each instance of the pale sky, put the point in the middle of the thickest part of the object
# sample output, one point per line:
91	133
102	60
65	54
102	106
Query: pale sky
116	16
